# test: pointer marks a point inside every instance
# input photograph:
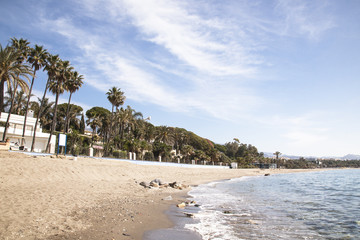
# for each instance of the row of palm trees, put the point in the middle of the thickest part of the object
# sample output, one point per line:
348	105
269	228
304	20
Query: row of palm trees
120	129
19	63
63	124
126	129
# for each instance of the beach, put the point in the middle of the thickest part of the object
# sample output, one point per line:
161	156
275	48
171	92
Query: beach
44	197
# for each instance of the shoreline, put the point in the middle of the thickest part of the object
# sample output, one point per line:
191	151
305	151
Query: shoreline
58	198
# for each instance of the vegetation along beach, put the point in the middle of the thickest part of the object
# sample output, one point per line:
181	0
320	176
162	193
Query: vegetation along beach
167	119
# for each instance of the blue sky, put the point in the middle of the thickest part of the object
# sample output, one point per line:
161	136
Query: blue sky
280	75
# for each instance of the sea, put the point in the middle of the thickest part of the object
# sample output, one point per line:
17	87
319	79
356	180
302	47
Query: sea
310	205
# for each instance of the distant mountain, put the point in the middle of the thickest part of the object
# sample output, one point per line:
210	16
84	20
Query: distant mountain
346	157
351	157
271	155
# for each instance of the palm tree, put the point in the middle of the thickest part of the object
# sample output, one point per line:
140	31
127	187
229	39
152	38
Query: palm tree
12	67
277	154
46	117
20	101
134	119
10	111
163	134
12	71
180	138
127	120
122	118
63	73
149	132
72	116
188	151
37	59
116	97
74	83
95	122
51	63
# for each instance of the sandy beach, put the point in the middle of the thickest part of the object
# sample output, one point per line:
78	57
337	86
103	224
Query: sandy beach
59	198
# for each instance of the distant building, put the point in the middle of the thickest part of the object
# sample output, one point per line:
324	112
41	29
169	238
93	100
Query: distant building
14	132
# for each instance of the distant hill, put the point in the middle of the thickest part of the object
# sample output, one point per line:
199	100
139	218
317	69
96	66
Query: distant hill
346	157
351	157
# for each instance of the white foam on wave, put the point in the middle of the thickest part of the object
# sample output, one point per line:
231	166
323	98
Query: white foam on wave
214	202
212	226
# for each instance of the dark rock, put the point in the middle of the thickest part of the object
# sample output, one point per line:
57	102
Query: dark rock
173	184
190	215
145	185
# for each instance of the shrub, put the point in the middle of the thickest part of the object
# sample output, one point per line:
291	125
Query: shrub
120	154
149	156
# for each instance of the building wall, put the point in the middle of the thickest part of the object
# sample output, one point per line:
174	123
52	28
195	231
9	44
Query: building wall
15	129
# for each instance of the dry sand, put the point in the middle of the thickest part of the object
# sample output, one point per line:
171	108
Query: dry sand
54	198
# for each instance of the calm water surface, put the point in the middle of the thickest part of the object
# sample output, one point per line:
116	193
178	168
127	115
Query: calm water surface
316	205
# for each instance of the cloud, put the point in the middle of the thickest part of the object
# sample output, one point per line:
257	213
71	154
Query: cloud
199	84
174	55
204	44
307	18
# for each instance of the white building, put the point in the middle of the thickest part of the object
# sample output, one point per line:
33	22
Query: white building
14	132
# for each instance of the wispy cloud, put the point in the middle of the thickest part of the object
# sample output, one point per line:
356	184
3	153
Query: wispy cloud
175	56
190	48
189	37
305	18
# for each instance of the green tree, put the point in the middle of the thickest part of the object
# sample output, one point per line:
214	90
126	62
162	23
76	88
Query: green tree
51	66
72	85
187	152
46	115
161	149
12	72
116	97
19	101
12	68
126	120
277	154
63	74
164	135
37	59
231	149
71	118
95	116
82	124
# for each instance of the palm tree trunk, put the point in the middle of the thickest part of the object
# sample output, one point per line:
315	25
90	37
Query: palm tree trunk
9	114
39	115
109	135
67	121
27	107
53	123
2	85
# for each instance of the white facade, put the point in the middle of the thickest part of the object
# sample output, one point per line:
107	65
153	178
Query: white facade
14	132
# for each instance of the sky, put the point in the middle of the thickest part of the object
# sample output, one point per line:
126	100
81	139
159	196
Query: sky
282	75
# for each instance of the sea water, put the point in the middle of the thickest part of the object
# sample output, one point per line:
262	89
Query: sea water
313	205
